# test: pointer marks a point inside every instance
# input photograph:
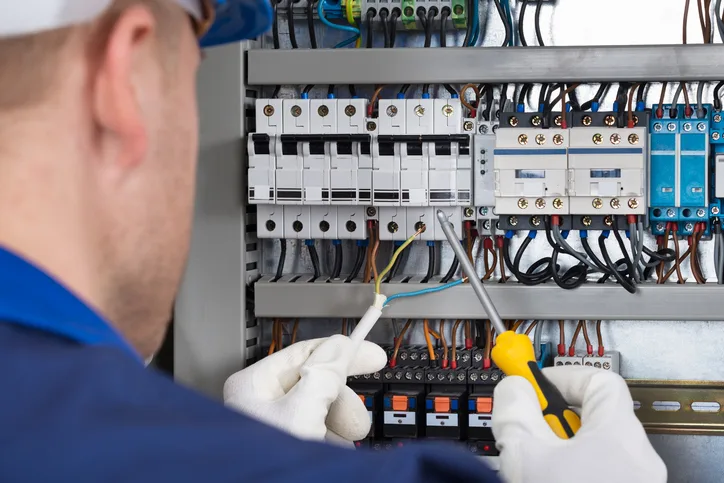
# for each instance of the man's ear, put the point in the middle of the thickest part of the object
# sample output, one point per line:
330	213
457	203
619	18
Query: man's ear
116	83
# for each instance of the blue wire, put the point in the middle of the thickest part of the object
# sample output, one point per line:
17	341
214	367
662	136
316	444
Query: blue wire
423	292
345	28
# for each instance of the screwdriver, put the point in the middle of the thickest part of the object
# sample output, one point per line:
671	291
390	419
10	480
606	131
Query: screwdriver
513	353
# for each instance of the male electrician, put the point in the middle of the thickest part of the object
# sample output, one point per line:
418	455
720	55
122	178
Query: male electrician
98	141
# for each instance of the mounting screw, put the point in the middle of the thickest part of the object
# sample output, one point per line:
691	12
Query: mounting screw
535	220
671	126
371	211
670	213
540	203
469	212
658	127
660	227
557	203
430	376
687	126
715	136
388	375
714	210
717	117
609	120
268	110
523	139
486	225
391	111
392	227
540	139
420	226
473	377
513	221
615	138
615	204
558	120
557	139
536	121
324	226
559	363
483	129
597	138
468	126
371	126
701	127
522	203
701	212
588	363
350	110
483	210
419	111
297	226
633	203
296	111
513	121
689	227
633	139
587	221
607	365
597	203
608	221
351	226
494	376
597	365
461	377
270	225
478	357
447	110
586	120
635	120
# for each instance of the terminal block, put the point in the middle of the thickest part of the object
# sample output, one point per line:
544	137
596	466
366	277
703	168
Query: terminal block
609	361
484	174
575	360
445	404
679	191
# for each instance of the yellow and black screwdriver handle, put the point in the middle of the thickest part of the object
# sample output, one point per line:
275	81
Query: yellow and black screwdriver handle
514	355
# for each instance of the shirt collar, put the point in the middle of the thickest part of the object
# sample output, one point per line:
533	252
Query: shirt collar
31	298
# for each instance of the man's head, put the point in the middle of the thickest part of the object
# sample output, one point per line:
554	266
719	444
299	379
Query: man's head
98	144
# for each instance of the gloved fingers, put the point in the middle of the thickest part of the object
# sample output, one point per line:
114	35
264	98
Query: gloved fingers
348	417
602	396
337	440
517	414
370	358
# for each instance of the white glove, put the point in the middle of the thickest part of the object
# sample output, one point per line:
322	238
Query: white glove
302	389
611	445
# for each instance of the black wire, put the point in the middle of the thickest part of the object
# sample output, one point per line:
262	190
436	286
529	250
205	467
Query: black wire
539	272
469	27
431	14
573	99
620	277
489	99
622	246
275	38
337	261
310	23
395	268
504	18
524	91
282	258
640	95
521	23
594	258
596	98
430	264
352	90
290	22
393	25
307	89
443	26
330	91
275	94
717	97
574	276
450	89
538	33
314	257
404	89
503	98
384	13
357	264
371	12
542	95
451	273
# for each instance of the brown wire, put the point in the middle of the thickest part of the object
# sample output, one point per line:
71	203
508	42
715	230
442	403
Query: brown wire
694	259
467	330
373	100
443	341
686	20
661	268
562	331
428	340
599	334
660	109
368	265
376	248
517	325
503	277
489	271
272	346
398	342
630	103
463	99
686	97
488	339
677	264
454	341
585	333
679	276
572	347
280	334
531	327
570	89
294	331
469	241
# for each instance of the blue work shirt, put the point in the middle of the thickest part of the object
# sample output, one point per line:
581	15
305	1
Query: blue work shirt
77	405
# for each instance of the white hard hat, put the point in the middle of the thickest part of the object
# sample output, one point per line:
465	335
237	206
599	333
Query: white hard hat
237	19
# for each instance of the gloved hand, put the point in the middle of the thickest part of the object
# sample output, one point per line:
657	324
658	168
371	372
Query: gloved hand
611	445
302	389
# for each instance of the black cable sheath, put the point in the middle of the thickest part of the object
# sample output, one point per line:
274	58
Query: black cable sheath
521	23
538	33
443	26
275	38
314	257
717	96
534	275
469	27
430	264
631	288
352	90
310	24
393	25
592	255
384	14
282	259
504	18
290	23
524	90
622	246
394	269
489	99
307	89
370	15
337	261
451	273
357	264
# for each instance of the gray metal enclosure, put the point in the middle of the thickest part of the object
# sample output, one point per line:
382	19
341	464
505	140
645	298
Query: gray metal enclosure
216	331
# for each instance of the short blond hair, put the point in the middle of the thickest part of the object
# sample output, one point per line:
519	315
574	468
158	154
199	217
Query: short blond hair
32	63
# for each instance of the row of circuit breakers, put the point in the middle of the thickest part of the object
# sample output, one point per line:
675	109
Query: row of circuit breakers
414	399
320	168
